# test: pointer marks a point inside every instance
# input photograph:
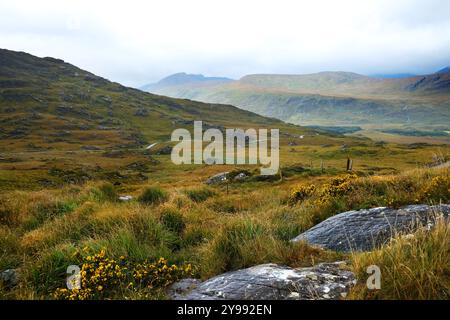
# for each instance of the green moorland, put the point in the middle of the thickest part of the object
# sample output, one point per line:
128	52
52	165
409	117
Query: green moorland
73	143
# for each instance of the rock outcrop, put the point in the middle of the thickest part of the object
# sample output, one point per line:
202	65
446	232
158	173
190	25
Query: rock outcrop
365	230
272	282
218	178
167	150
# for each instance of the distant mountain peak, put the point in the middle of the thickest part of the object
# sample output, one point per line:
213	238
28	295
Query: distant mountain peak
183	78
444	70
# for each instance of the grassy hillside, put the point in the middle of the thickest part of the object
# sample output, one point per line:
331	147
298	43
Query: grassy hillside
42	98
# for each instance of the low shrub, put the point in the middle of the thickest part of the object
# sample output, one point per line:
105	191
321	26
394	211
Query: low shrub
438	189
302	192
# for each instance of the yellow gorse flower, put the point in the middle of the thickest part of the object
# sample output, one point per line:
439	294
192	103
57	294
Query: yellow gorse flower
101	276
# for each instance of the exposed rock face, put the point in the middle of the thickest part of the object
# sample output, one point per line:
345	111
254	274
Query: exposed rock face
274	282
218	178
365	230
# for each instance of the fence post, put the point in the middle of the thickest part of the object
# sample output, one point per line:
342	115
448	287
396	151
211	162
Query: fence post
349	164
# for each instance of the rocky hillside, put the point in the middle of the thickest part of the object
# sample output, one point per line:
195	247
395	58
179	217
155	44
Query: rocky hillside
48	103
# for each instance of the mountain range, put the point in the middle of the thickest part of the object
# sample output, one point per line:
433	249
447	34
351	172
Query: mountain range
330	98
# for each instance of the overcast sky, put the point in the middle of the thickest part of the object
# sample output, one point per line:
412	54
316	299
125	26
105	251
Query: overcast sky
137	42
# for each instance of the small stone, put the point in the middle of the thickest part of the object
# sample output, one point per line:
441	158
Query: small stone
8	278
125	198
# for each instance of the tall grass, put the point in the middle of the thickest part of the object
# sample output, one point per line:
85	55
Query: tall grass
200	194
153	195
412	267
218	232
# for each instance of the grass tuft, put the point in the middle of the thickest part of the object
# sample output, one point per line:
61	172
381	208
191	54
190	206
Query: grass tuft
153	195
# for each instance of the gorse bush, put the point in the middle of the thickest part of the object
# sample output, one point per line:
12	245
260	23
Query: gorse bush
101	277
153	195
350	192
159	274
98	275
337	187
302	192
438	189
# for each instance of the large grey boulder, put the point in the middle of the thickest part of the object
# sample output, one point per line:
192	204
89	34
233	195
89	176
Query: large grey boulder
365	230
274	282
